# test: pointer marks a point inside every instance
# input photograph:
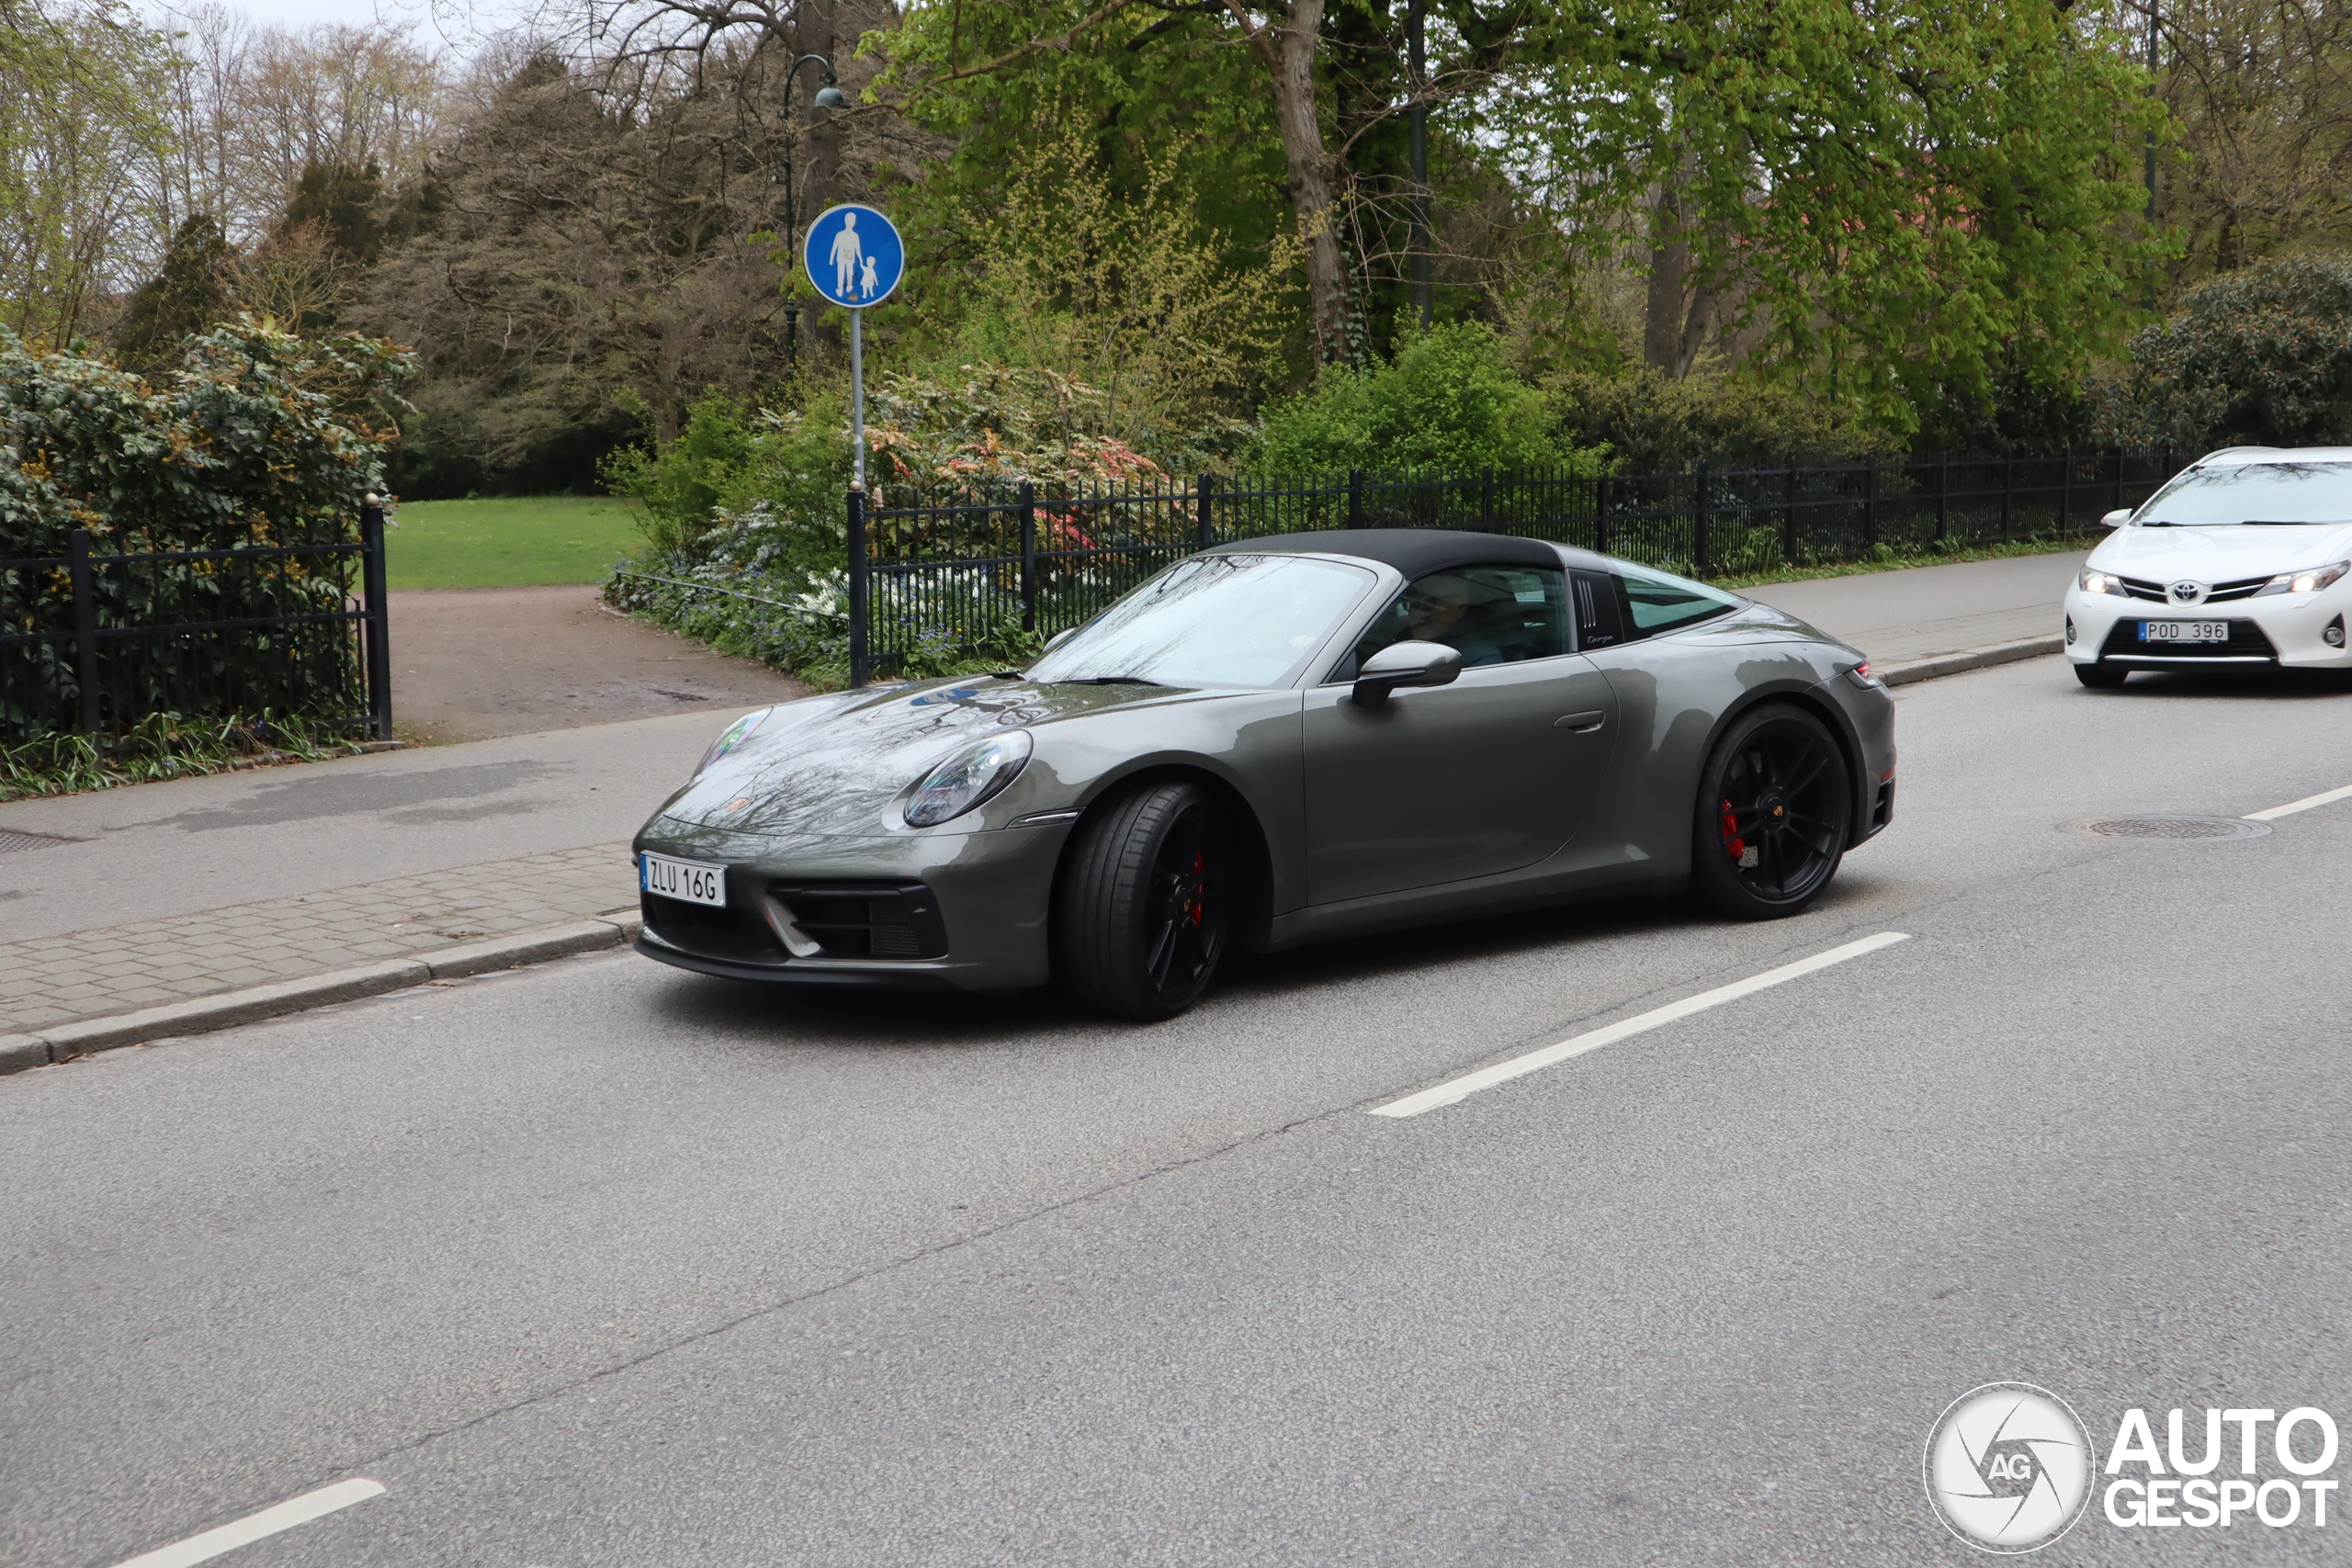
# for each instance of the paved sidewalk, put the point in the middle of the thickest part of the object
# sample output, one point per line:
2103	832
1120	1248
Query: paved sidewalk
1931	612
108	969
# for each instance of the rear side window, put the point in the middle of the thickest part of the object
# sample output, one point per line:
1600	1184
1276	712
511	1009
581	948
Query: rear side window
1659	602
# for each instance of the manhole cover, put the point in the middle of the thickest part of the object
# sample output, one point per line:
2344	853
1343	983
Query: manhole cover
11	840
2173	827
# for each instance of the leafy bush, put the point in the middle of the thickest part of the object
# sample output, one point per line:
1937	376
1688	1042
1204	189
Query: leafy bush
680	483
1653	423
260	438
2259	357
997	425
1445	401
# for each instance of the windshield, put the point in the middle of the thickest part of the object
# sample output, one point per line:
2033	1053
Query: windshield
2255	493
1213	621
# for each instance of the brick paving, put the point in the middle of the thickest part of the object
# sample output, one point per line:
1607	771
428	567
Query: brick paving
46	981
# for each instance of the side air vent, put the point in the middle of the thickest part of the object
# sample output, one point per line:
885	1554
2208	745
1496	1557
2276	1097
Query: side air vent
866	919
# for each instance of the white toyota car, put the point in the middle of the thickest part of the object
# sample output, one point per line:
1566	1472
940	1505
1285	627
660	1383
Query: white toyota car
2239	560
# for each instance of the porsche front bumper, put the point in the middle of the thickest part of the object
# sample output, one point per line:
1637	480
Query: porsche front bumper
916	911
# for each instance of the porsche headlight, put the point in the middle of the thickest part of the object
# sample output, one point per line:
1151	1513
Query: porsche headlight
2310	580
2102	582
732	736
968	778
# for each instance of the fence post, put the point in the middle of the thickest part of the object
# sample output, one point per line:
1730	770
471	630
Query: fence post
1870	501
1487	500
377	618
2119	480
1943	495
1601	515
1028	557
85	629
1201	500
1355	498
1699	522
2008	488
860	653
1788	513
2065	487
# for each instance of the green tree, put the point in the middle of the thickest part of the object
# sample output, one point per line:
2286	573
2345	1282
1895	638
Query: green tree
190	293
81	140
1885	201
2261	356
1445	403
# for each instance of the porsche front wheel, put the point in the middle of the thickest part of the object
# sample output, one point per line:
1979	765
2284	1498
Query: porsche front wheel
1146	901
1775	809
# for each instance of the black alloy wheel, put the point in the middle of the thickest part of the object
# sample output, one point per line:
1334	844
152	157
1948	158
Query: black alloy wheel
1775	811
2102	677
1145	900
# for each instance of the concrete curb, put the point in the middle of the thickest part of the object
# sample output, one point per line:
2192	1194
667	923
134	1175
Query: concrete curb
1974	659
199	1015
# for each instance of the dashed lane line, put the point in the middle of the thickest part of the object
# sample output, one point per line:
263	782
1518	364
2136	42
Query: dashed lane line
1519	1066
253	1527
2323	798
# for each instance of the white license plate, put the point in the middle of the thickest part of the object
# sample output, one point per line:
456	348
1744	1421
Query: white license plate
2184	631
689	880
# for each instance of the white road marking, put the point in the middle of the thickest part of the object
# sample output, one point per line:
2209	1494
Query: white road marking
1518	1066
253	1527
2303	805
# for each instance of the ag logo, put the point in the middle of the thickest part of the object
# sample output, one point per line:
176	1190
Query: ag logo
2186	591
2008	1467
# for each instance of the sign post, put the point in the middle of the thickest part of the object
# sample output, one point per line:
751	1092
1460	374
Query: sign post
854	258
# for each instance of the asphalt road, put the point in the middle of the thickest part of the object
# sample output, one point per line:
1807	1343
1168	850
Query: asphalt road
600	1263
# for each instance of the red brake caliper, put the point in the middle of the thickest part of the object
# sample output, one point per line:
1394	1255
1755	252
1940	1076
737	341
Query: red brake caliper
1733	841
1200	861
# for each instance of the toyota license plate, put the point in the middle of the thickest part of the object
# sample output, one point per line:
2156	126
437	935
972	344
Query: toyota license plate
2184	631
685	879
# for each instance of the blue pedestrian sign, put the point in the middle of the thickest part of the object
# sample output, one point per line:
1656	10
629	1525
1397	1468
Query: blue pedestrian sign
853	255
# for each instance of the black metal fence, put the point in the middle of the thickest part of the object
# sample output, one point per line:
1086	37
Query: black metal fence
954	569
94	642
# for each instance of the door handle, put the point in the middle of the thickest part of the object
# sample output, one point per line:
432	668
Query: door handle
1581	723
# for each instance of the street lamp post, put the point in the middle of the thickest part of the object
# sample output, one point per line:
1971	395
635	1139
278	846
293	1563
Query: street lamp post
829	97
1421	235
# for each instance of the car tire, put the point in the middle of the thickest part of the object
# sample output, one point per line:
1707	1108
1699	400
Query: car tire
1146	902
1775	811
2101	677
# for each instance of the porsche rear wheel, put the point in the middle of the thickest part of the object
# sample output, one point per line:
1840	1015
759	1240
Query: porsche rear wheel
1146	901
1775	810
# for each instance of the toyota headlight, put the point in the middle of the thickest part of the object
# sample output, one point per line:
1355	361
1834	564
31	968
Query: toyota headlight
968	778
732	736
2102	582
2310	580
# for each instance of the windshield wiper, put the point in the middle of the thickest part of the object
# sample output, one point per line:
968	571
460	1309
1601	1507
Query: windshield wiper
1106	681
2282	522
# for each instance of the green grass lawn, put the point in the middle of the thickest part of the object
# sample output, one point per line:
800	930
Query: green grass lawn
508	540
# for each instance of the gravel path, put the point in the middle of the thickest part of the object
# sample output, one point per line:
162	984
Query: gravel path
476	663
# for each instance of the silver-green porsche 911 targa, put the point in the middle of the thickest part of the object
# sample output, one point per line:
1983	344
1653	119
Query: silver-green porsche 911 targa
1273	742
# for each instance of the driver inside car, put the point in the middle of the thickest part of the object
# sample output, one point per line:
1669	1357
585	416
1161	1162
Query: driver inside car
1465	614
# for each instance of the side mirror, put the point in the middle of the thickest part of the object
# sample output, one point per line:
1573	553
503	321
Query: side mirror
1059	638
1405	664
2117	518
